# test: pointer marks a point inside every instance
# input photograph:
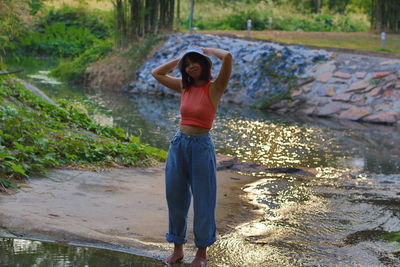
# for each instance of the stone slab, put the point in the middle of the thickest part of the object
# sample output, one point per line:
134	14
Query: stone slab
354	113
343	75
360	75
380	74
330	91
383	117
345	97
328	109
358	86
323	78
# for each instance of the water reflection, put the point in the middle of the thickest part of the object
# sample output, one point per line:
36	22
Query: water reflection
330	218
248	134
20	252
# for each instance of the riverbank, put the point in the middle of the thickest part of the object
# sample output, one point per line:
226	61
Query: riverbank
117	209
292	79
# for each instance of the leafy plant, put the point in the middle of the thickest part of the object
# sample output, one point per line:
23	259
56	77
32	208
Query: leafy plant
74	70
36	135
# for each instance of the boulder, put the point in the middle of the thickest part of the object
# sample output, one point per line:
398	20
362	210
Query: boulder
308	111
330	91
323	78
383	117
387	92
381	106
360	75
358	100
354	114
296	93
358	86
397	85
307	88
380	74
376	91
343	75
345	97
328	110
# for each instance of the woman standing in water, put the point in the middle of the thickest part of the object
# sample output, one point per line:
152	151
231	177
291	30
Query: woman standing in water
191	166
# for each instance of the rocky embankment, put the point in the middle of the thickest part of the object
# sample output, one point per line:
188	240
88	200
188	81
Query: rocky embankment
292	79
350	87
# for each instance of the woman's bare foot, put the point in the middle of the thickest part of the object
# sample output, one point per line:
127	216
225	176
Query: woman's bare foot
176	256
200	260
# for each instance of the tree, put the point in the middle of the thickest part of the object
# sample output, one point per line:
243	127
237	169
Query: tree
385	15
138	18
16	16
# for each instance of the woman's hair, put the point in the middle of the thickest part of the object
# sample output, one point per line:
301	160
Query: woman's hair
205	69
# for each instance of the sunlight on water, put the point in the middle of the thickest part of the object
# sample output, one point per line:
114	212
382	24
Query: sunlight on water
312	220
331	216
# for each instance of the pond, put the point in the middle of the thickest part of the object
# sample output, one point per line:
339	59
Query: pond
332	218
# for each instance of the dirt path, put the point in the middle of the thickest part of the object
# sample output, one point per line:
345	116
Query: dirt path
119	208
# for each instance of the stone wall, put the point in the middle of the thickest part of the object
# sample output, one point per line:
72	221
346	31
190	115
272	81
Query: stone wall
344	86
351	87
260	69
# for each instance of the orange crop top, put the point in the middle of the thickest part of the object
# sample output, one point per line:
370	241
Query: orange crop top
196	107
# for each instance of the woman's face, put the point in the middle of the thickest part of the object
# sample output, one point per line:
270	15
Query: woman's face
193	69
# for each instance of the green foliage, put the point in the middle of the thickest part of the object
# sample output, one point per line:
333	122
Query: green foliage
64	32
14	19
74	70
36	135
58	40
287	15
99	24
391	237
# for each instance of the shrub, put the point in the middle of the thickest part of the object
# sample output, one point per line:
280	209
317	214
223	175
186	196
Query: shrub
74	70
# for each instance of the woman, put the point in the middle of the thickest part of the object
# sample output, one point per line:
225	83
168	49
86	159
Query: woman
191	167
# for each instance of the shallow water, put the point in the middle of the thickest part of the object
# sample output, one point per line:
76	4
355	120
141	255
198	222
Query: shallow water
21	252
330	218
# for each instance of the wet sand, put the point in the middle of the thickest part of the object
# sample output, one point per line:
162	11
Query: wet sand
122	209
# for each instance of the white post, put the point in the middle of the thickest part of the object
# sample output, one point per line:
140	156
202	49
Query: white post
249	28
270	23
383	38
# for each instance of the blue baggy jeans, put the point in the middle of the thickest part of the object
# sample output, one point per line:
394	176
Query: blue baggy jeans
191	170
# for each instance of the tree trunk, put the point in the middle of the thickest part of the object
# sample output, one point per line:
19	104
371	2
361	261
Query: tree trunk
385	15
134	7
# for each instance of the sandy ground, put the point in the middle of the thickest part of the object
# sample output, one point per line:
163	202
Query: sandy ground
119	209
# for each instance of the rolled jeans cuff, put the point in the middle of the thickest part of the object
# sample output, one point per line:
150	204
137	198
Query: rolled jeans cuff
175	239
205	243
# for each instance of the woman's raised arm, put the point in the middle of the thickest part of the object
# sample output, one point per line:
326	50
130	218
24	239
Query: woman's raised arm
225	72
161	75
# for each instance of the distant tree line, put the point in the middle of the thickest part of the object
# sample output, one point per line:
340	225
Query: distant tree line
138	18
384	14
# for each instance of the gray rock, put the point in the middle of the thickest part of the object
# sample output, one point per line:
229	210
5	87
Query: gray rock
354	113
383	117
328	110
358	86
345	97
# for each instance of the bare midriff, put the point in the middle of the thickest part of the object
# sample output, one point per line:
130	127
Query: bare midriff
189	129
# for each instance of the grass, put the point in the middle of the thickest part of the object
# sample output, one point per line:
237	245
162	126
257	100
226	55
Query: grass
91	4
356	40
